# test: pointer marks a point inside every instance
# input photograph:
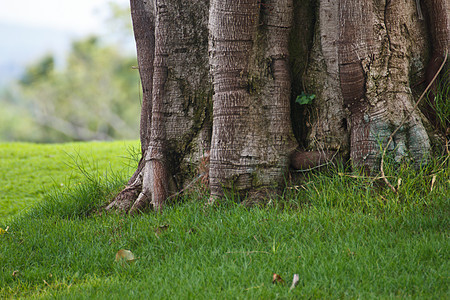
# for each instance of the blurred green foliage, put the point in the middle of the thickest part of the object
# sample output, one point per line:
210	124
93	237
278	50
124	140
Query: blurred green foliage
93	95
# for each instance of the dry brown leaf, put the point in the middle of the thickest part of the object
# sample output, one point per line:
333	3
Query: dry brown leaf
276	278
125	256
160	229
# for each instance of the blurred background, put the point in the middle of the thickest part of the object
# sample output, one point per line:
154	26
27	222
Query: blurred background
66	71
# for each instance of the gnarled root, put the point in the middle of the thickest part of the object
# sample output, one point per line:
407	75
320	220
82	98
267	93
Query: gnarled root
126	198
306	160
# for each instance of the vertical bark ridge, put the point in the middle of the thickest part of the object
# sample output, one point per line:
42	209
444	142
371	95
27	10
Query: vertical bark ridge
273	101
327	117
354	51
144	33
412	139
249	61
384	98
176	125
439	24
232	27
156	178
355	46
438	15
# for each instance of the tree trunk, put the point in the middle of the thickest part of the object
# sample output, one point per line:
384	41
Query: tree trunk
251	124
172	46
438	16
365	61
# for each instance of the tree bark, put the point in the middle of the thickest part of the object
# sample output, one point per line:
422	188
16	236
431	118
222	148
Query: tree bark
438	16
364	61
172	46
144	32
251	123
374	72
326	120
155	185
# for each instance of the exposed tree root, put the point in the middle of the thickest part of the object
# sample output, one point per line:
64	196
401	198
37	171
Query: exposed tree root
304	161
391	137
126	198
134	199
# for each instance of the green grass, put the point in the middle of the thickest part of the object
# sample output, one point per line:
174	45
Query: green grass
441	102
345	235
28	171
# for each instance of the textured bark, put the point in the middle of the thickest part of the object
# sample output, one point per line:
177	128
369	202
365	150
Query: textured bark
438	12
144	32
365	67
251	123
176	118
355	48
327	119
155	186
364	61
438	16
374	61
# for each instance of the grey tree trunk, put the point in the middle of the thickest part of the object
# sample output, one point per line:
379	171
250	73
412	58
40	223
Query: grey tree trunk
220	79
366	65
172	47
252	134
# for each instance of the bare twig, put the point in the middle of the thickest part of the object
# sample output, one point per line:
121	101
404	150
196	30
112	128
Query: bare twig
362	177
383	176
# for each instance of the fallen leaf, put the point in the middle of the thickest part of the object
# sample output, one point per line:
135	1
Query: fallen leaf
295	281
276	278
15	273
125	256
160	229
3	231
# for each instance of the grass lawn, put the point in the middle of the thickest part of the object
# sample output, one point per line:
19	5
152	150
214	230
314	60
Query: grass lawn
345	235
27	171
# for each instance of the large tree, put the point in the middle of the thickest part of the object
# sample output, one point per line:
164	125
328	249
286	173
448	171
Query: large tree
220	79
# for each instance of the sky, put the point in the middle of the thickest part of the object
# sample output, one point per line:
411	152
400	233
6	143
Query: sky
76	16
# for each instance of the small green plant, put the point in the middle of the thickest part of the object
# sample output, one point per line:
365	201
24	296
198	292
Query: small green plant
304	99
